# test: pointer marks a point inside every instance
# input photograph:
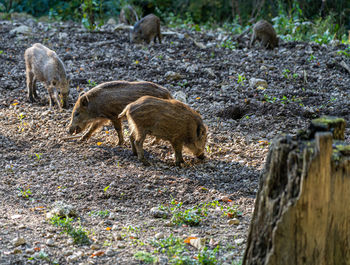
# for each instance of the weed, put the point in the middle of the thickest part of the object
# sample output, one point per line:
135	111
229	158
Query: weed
42	255
102	214
311	57
208	149
286	73
38	156
79	235
145	257
207	256
345	52
241	79
228	44
106	188
24	193
91	83
1	51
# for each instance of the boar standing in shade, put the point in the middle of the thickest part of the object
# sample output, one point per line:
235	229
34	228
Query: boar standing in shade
106	101
166	119
265	33
146	29
43	64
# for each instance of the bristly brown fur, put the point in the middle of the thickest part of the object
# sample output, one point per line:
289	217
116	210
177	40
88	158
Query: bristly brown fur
166	119
106	101
265	33
146	29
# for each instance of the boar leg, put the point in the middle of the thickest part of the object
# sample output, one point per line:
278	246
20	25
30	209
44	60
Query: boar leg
118	127
178	153
133	148
94	126
30	79
139	149
34	89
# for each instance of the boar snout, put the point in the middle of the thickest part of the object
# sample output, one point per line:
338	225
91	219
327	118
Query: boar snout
74	129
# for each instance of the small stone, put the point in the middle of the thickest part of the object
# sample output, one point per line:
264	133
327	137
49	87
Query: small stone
62	35
256	82
17	251
157	213
159	235
68	252
239	241
21	30
233	221
172	76
225	199
18	241
72	258
181	96
110	252
29	251
50	243
119	237
94	247
111	21
263	68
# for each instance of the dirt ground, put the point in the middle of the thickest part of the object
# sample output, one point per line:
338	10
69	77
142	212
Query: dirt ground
39	168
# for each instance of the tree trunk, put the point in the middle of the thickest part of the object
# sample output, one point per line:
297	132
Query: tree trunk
302	209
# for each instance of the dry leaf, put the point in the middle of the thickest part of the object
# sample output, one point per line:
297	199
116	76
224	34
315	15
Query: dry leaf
198	97
108	228
99	143
97	254
188	239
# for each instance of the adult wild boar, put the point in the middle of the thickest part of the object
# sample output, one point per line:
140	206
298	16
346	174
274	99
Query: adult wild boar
106	101
146	29
166	119
43	64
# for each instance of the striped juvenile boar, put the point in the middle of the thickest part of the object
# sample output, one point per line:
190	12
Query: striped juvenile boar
265	33
106	101
146	29
166	119
43	64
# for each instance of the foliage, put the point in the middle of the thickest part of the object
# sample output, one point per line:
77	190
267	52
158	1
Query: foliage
145	257
78	234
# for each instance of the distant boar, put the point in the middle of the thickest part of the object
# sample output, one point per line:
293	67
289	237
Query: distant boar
106	101
146	29
128	15
43	64
264	32
166	119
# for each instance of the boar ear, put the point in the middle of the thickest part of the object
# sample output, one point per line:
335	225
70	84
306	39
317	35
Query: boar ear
84	101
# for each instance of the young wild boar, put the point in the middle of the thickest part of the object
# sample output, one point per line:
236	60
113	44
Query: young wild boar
146	29
166	119
264	32
128	15
106	101
43	64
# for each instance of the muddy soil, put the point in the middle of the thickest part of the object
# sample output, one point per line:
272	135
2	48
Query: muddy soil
111	192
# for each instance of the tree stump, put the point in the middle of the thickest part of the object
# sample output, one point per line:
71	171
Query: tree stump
302	209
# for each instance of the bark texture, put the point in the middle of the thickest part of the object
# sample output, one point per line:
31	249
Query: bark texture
302	210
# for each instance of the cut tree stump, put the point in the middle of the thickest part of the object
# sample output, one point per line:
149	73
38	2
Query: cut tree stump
302	209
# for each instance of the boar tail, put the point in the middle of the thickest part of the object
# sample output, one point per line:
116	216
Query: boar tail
123	114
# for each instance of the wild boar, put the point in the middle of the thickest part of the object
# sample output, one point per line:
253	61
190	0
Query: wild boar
128	15
106	101
264	32
167	119
43	64
146	29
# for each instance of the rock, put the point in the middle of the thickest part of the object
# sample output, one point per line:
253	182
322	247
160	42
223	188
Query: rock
72	258
159	235
239	241
30	251
111	21
50	243
200	45
110	252
210	72
192	69
95	247
256	82
173	76
263	68
18	241
25	30
181	96
17	251
233	221
157	213
62	35
61	209
198	243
